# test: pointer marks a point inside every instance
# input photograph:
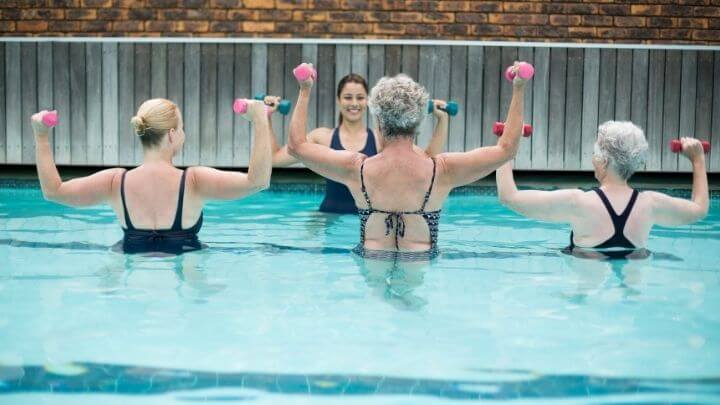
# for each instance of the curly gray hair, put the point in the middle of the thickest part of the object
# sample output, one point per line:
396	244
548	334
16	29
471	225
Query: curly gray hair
399	103
623	145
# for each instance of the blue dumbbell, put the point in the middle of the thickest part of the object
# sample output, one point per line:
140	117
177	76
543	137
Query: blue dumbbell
451	108
283	108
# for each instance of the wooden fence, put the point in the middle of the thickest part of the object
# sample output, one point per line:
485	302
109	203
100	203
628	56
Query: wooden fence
96	86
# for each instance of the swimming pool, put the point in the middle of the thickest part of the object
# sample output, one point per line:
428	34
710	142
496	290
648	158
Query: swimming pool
277	311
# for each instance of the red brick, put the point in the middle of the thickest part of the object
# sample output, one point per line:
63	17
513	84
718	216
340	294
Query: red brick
8	26
192	3
455	29
519	31
97	3
32	26
407	17
95	26
291	27
453	6
582	32
597	20
661	22
377	16
345	16
160	26
675	34
714	23
162	3
275	15
383	28
521	19
226	26
706	11
80	14
128	26
485	6
242	15
435	17
62	3
317	4
291	4
565	19
674	10
553	8
613	9
112	14
422	29
485	29
549	31
421	5
225	3
471	18
701	23
252	26
314	16
512	7
42	14
142	14
64	26
581	9
629	21
360	5
319	27
641	9
707	35
350	28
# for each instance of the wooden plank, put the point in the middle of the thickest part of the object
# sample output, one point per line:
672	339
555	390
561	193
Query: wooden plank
393	60
541	91
608	63
174	76
242	86
326	95
671	107
208	104
225	88
93	100
360	66
410	60
45	80
591	89
276	85
427	60
474	127
523	158
61	101
29	99
715	133
78	103
110	103
309	55
293	57
159	69
126	104
704	106
142	73
259	77
458	87
3	94
623	84
343	66
491	94
573	109
191	99
640	75
656	91
558	85
376	70
688	97
441	89
13	80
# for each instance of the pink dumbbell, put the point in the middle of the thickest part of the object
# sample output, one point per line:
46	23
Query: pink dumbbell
676	146
304	71
499	127
525	70
50	118
240	107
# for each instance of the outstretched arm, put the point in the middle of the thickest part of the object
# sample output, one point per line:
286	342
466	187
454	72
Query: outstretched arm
440	134
341	166
211	183
671	211
557	206
465	167
79	192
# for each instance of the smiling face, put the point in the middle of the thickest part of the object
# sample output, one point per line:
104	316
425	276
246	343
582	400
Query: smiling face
352	101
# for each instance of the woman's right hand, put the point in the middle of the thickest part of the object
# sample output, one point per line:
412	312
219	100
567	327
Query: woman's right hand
518	82
38	126
307	83
273	102
692	148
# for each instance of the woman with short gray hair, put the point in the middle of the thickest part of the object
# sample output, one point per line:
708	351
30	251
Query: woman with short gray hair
399	192
598	231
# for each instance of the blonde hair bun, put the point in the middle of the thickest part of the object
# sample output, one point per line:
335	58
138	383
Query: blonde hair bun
139	124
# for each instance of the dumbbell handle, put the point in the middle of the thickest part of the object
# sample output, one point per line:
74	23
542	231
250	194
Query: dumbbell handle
525	70
304	71
499	127
451	107
676	146
240	107
283	107
50	118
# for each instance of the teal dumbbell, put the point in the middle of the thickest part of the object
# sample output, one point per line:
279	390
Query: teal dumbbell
283	108
451	108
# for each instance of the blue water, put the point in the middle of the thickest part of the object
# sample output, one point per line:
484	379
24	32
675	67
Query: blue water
278	311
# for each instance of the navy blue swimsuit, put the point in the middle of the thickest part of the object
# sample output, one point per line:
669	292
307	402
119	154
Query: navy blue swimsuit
337	196
173	241
621	245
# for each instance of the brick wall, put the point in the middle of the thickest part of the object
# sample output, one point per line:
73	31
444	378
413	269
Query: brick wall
631	21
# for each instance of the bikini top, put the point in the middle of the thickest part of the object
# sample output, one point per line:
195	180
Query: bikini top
174	240
394	220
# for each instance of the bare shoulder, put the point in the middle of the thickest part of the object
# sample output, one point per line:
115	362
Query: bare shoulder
321	136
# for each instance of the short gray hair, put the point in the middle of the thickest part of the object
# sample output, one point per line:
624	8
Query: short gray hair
400	105
623	145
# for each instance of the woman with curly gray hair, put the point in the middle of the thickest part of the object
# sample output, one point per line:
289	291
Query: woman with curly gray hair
613	220
399	191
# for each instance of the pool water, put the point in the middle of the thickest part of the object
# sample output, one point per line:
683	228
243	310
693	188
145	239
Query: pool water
277	310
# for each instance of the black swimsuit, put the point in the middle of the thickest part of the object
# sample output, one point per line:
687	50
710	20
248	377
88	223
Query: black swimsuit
622	247
395	220
338	198
174	240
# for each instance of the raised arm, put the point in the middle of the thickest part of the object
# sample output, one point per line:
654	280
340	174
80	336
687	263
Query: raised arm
211	183
557	206
341	166
465	167
79	192
671	211
440	134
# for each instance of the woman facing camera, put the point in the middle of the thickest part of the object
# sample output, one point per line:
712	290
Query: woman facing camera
158	205
399	191
613	220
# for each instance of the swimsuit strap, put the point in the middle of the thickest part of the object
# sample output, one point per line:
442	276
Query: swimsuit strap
432	182
362	186
335	140
370	148
177	223
618	220
128	223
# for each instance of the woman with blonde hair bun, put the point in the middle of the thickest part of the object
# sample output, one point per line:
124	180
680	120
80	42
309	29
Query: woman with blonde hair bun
158	205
